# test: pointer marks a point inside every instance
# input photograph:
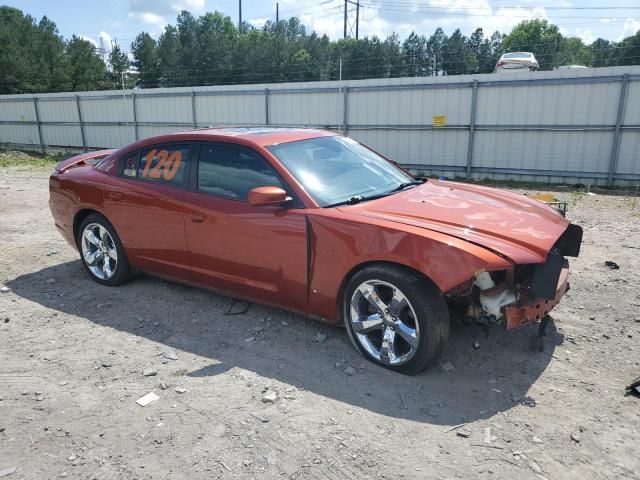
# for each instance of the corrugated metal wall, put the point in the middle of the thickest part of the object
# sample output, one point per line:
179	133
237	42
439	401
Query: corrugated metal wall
562	126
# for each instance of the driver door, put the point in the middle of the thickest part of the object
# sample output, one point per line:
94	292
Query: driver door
244	250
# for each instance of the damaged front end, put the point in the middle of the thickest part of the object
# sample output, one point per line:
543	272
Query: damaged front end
524	294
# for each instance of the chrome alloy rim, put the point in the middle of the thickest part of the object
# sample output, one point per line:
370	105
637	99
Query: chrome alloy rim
384	322
99	251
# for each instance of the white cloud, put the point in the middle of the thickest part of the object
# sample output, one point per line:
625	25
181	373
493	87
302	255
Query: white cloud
158	13
505	18
166	7
106	40
88	39
631	26
149	18
104	37
586	35
323	25
258	22
472	6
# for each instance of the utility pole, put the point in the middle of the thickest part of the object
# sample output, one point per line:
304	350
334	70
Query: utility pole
277	13
357	17
345	19
240	16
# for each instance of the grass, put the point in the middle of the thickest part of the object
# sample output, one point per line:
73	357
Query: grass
31	160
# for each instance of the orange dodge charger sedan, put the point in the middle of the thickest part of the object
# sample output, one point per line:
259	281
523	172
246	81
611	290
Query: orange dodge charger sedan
317	223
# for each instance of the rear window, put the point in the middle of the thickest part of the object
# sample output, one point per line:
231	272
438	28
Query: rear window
518	55
130	165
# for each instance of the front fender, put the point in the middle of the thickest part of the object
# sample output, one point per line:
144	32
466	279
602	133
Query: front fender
339	243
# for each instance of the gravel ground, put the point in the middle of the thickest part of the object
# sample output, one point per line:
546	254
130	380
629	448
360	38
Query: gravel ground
268	394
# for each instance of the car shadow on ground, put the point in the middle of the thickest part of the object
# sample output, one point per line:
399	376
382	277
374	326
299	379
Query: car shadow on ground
283	346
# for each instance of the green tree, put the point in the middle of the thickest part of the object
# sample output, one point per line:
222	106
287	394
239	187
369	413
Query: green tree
629	50
188	50
119	64
88	71
15	60
495	47
435	47
216	40
169	59
146	60
574	52
540	37
604	53
456	56
414	51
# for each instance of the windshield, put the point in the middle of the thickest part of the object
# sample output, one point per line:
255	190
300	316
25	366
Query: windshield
338	169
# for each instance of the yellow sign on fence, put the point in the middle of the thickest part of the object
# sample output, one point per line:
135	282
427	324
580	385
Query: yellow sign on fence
439	120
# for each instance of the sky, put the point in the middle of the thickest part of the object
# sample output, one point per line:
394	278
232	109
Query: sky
122	20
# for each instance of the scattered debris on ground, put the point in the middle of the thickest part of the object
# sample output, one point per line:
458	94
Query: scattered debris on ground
148	399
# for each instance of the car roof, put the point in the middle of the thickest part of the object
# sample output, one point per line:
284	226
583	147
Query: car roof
263	136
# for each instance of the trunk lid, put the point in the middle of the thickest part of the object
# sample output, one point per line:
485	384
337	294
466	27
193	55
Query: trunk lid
81	160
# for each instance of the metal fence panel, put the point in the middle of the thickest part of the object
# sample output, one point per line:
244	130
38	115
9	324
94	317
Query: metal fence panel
18	110
167	109
560	126
107	109
417	148
629	160
409	107
61	135
549	105
543	150
632	110
323	109
58	110
25	134
108	136
229	109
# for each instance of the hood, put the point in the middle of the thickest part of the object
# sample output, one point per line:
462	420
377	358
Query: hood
517	227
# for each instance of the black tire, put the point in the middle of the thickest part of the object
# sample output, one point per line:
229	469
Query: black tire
122	271
431	312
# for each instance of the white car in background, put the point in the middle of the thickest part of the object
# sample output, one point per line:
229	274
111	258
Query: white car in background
517	61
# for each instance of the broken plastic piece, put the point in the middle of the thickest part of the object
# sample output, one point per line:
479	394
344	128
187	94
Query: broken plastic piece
633	388
241	311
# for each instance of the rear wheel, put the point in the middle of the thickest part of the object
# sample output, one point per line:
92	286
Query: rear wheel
101	251
396	318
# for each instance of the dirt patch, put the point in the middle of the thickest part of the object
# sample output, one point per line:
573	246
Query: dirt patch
262	395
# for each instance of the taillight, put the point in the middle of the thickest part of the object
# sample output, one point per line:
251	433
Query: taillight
500	63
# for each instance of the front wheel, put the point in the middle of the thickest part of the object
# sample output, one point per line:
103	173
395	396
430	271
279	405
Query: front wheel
101	251
396	318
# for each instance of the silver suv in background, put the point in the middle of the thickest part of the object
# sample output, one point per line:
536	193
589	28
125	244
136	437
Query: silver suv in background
517	61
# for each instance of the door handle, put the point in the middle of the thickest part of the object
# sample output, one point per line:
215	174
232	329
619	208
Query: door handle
115	195
196	217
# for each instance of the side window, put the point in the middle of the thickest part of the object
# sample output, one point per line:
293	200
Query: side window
231	171
164	164
130	165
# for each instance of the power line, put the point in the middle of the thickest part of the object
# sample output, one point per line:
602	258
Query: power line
453	6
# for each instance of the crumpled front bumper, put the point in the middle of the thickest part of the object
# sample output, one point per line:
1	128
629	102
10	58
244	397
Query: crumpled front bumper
533	310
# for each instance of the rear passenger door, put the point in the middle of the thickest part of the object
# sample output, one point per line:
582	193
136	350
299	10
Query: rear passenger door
248	251
145	204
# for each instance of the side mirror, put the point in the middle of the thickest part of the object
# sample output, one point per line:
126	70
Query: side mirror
261	196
